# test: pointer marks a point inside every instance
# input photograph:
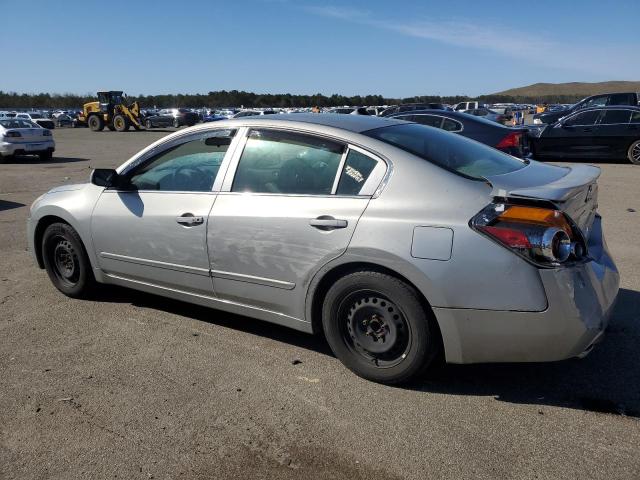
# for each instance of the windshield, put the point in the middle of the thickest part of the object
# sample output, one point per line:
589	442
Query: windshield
18	123
455	153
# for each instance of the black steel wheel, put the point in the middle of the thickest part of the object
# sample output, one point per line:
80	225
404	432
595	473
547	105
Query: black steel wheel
66	261
378	327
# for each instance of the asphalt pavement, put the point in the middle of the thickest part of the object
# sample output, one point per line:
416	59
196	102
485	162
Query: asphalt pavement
135	386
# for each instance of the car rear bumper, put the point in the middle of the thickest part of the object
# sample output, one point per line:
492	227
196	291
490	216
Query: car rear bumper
31	148
580	301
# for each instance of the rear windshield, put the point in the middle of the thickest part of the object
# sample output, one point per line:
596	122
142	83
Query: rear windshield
18	123
453	152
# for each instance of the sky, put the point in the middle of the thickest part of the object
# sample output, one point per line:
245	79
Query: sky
393	48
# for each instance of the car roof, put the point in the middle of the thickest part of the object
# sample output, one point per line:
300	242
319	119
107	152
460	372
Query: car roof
352	123
608	107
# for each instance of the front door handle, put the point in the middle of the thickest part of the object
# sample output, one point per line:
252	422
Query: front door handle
189	220
587	129
327	222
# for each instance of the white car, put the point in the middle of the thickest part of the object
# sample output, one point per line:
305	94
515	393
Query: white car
20	136
37	117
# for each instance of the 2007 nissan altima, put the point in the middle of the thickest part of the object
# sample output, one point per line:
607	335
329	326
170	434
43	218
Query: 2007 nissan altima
396	240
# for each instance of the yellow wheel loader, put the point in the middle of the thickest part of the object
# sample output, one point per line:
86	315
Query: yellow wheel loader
110	111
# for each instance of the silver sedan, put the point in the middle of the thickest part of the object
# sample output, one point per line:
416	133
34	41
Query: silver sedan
399	242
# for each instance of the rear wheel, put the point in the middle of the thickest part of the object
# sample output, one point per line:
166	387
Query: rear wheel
96	123
377	326
121	123
633	154
66	261
148	124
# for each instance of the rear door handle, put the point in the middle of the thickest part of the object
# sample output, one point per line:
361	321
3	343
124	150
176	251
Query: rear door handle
327	222
189	220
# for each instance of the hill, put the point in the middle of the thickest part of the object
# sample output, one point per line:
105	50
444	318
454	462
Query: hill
579	89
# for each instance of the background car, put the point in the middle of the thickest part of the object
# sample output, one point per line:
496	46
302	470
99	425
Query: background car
20	136
39	118
63	121
410	107
171	117
514	141
486	114
602	133
601	100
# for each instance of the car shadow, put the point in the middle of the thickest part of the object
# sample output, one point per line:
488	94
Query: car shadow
8	205
606	381
252	326
36	160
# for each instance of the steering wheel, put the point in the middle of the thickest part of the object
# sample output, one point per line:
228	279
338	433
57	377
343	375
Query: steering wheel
196	180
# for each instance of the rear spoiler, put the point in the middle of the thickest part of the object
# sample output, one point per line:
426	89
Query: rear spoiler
538	182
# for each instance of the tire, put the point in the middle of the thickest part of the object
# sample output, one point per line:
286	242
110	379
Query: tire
96	123
148	125
633	153
66	261
46	156
378	328
176	123
121	123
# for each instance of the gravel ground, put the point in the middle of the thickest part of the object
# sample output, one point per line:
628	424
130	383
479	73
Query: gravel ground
136	386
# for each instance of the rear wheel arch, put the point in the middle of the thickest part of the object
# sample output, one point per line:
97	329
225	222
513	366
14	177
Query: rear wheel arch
320	287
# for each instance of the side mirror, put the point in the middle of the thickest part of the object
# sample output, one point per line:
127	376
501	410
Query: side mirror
104	177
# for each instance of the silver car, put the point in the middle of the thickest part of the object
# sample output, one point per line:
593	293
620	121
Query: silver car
400	242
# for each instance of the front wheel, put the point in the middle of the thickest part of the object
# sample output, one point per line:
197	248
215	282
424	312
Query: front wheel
66	261
633	154
120	123
378	327
176	123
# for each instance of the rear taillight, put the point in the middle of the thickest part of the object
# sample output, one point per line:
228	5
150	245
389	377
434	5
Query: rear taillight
512	139
46	133
12	134
542	236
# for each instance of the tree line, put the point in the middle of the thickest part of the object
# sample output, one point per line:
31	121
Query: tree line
235	98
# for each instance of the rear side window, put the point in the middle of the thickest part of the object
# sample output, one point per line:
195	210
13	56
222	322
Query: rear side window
635	117
615	116
453	152
451	125
287	163
429	120
357	169
584	118
621	99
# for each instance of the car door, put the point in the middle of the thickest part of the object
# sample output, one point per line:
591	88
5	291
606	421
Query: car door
571	137
152	229
614	133
283	212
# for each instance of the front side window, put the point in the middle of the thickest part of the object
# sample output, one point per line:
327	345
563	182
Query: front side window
584	118
455	153
615	116
287	163
600	101
188	167
357	169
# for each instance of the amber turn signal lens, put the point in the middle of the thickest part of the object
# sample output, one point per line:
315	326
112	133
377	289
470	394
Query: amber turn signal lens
537	216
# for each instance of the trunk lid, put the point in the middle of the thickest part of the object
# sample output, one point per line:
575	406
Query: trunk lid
574	189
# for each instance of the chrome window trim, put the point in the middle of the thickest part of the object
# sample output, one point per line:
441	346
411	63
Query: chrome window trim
442	117
376	176
336	180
